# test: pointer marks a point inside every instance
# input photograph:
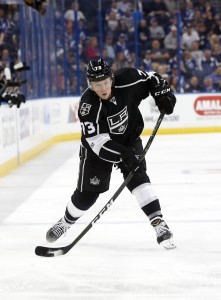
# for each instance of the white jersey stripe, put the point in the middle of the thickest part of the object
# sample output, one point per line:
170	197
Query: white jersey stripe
82	170
130	84
118	153
97	119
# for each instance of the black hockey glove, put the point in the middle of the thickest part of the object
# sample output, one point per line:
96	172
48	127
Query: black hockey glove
14	99
164	98
130	161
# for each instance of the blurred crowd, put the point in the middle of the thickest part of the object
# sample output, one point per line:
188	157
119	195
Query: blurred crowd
185	46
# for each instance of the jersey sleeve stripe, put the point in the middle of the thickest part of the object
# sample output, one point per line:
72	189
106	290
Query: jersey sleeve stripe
130	84
115	152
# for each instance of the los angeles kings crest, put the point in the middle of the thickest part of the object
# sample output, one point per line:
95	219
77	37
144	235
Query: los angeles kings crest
118	123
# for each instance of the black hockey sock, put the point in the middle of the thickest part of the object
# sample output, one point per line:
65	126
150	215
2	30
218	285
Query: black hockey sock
152	209
69	218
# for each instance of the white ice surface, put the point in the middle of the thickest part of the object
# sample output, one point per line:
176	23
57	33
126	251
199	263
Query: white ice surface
118	258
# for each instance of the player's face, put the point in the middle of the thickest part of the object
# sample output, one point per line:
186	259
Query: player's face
102	88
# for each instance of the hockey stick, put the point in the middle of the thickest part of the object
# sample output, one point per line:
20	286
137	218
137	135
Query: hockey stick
51	252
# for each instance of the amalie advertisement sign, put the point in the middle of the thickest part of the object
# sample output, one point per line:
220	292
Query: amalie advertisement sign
209	105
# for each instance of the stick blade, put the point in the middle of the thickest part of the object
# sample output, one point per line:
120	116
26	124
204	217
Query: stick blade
48	252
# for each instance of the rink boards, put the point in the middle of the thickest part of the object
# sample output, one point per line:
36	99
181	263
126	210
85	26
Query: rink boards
38	124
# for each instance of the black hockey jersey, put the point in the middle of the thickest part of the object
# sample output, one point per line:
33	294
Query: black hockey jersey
110	125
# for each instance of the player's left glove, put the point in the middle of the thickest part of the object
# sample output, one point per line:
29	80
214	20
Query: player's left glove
164	98
131	162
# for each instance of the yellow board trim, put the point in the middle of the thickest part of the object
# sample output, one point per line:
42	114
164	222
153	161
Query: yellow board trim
184	130
8	166
13	163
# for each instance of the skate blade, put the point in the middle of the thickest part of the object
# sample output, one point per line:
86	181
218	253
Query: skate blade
168	244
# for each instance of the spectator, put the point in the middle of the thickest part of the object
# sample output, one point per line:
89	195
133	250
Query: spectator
188	65
129	20
187	12
197	17
3	18
106	57
3	25
72	66
108	44
162	69
92	48
72	86
173	64
112	21
170	41
69	35
70	13
143	35
188	37
123	5
133	61
83	29
174	22
121	46
122	28
216	78
113	8
158	9
147	61
177	80
206	6
214	39
156	31
203	35
159	55
217	27
155	8
5	57
193	86
174	84
120	61
208	85
208	63
196	54
209	21
216	52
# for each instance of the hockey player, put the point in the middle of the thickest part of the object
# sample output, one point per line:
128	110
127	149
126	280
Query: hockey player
111	127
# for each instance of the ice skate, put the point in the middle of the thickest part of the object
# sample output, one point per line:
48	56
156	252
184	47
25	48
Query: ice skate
57	230
164	235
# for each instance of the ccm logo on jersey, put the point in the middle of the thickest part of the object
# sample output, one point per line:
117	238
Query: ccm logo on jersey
118	123
162	92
